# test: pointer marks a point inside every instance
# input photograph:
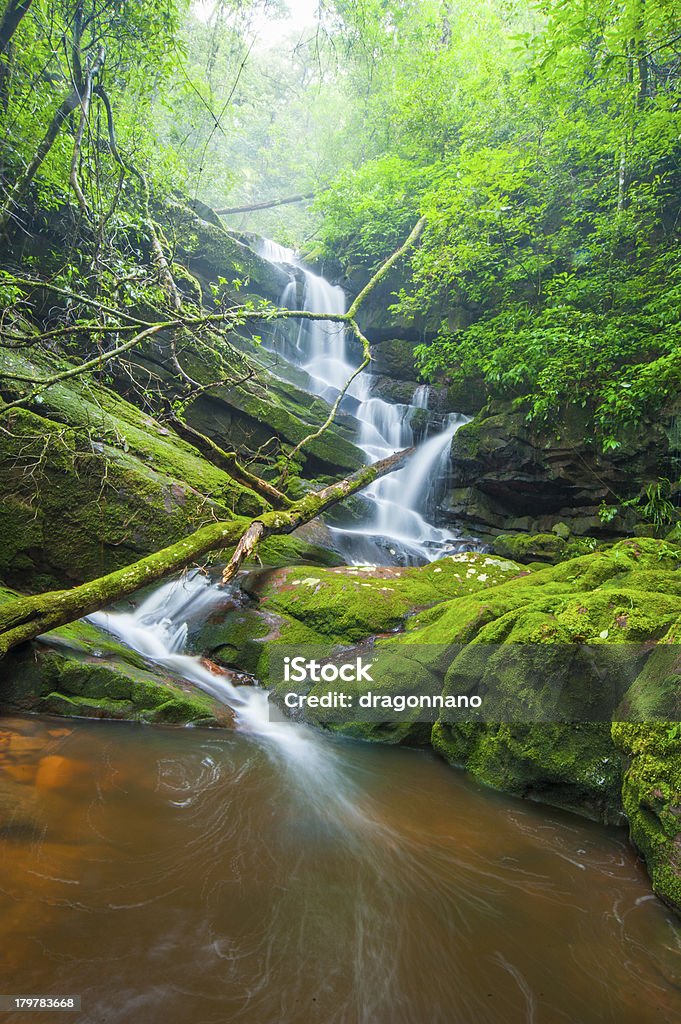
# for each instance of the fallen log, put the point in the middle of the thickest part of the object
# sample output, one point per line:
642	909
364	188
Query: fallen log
26	618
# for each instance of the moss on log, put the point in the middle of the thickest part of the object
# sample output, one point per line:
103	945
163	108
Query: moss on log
26	618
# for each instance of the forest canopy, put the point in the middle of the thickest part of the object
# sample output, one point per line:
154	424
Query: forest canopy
539	139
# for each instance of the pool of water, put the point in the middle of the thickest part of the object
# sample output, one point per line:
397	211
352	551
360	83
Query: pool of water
179	876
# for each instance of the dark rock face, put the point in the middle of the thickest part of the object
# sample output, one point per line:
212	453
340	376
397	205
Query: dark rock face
509	474
209	251
395	358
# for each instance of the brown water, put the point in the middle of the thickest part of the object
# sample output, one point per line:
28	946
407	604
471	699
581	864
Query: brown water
190	876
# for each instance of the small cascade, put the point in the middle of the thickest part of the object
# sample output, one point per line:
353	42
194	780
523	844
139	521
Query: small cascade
275	253
323	343
158	630
421	397
317	347
400	527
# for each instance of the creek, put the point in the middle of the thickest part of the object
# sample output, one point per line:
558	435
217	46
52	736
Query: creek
271	874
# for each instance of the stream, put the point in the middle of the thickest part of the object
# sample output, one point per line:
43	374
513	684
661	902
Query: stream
272	874
187	876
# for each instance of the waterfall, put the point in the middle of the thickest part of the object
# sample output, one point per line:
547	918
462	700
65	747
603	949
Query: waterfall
404	503
158	630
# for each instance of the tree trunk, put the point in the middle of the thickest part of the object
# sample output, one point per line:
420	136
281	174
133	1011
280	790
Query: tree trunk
62	113
226	211
9	23
25	618
10	20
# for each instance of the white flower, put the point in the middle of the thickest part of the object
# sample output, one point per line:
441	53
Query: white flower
603	634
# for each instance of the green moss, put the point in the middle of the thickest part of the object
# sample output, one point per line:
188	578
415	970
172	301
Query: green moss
551	547
351	603
276	552
652	801
572	766
87	511
65	682
82	638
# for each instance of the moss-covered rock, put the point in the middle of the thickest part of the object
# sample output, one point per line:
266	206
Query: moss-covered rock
395	358
56	681
90	483
551	547
513	473
651	796
238	418
351	603
80	670
210	252
575	766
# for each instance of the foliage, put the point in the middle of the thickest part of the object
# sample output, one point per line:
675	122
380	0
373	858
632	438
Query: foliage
542	142
539	138
654	505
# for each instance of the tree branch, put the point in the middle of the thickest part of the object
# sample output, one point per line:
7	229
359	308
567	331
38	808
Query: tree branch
267	205
25	618
230	463
85	98
92	364
382	272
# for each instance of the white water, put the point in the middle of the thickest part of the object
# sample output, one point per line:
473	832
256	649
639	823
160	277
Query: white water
158	630
400	527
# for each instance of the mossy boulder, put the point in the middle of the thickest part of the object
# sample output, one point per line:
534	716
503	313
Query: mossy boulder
629	590
558	646
350	603
575	766
210	252
90	483
55	681
393	390
651	796
553	547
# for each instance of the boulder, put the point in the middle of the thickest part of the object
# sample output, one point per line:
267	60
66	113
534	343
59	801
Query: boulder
512	474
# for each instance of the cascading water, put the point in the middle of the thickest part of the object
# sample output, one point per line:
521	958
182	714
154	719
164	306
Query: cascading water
158	630
399	527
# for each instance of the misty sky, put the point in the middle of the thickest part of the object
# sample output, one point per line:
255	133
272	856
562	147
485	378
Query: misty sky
269	29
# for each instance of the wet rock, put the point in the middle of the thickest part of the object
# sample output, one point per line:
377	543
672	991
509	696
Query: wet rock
72	682
542	547
511	474
395	359
652	800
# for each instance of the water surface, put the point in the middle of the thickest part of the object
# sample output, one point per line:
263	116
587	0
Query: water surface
179	876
